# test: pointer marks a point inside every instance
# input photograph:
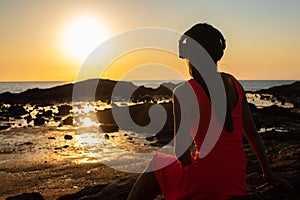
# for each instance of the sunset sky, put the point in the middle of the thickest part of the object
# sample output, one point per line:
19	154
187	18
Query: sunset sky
44	40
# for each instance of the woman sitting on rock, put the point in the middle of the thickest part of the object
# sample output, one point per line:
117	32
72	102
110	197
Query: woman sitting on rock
221	173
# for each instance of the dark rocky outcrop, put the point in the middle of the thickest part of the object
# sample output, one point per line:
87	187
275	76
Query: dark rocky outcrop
117	190
27	196
88	90
285	93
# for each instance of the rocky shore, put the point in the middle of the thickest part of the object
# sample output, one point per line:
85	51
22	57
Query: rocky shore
45	121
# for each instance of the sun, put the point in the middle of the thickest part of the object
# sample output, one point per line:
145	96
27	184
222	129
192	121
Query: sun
82	36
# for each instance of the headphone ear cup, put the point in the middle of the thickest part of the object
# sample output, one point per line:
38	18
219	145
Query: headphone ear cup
183	47
183	52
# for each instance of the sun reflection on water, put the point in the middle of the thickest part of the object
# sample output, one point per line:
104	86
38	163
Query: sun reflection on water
88	122
88	139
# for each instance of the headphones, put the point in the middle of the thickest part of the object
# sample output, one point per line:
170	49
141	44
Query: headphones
183	44
183	47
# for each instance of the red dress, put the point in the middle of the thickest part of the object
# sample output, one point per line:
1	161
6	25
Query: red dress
219	175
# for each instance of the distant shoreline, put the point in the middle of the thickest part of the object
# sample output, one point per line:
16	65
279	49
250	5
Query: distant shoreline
21	86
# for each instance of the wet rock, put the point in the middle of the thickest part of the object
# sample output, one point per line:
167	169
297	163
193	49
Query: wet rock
252	107
155	144
117	190
105	116
68	121
106	136
28	119
109	128
51	138
27	196
4	127
57	118
26	143
146	99
87	191
48	113
275	110
16	111
68	137
289	92
297	104
64	110
39	121
63	147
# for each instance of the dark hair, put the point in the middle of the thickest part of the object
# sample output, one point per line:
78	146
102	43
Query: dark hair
210	38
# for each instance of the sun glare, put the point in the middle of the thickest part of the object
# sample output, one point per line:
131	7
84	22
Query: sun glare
82	36
88	122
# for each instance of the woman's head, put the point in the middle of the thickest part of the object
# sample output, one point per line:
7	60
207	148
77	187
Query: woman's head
210	38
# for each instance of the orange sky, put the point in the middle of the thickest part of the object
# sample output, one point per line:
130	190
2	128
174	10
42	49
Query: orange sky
262	37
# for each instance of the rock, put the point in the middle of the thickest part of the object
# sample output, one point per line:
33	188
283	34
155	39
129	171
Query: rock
57	118
51	138
64	93
68	137
109	128
289	92
87	191
146	99
297	104
106	136
252	107
4	127
28	119
116	190
275	110
105	116
63	147
26	143
39	121
16	111
48	113
27	196
64	110
68	121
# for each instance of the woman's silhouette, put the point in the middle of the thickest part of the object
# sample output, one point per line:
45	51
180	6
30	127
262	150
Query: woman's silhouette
222	173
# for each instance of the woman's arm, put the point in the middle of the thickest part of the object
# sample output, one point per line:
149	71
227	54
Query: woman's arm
257	146
183	140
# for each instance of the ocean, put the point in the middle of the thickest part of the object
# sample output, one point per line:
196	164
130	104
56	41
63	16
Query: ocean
249	85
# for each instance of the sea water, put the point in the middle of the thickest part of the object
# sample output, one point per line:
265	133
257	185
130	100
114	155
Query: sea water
249	85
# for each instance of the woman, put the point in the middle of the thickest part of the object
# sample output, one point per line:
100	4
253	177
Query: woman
222	173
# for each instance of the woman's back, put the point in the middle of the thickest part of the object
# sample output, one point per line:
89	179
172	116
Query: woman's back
219	175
